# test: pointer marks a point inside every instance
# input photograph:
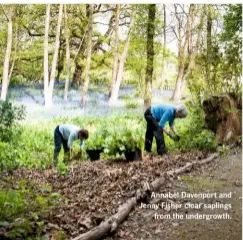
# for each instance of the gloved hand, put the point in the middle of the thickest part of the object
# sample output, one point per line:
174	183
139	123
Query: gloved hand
170	135
177	137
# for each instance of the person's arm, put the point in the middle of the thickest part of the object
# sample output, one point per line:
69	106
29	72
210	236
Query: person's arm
162	122
81	144
173	129
177	137
165	131
71	139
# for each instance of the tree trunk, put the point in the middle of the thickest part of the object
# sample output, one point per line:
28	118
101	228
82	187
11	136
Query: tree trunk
46	67
15	54
55	56
67	54
7	55
150	56
209	47
114	93
195	48
60	63
182	57
161	84
89	53
77	75
116	49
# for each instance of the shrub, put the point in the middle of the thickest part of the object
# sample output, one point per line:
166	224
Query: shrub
24	207
9	116
192	132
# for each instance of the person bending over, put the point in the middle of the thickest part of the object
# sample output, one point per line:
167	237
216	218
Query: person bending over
156	117
65	134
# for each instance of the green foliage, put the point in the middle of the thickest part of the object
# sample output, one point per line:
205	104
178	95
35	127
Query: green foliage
96	140
10	133
192	132
124	135
23	208
114	134
9	117
62	168
8	155
223	150
232	37
131	103
225	70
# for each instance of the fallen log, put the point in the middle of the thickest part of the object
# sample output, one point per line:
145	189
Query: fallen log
188	166
111	224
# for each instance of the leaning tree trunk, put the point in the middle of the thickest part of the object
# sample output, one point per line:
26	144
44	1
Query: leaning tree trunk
55	56
116	48
46	67
7	55
150	56
223	117
67	54
89	53
182	57
114	93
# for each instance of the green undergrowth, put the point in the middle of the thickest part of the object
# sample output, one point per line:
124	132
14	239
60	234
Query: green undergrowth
32	145
24	208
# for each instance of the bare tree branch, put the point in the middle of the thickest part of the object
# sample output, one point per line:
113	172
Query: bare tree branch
36	34
183	10
4	12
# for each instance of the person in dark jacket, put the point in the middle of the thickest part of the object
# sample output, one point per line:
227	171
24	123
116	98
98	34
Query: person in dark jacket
156	117
65	134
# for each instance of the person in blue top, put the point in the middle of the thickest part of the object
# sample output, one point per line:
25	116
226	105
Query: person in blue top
65	134
156	117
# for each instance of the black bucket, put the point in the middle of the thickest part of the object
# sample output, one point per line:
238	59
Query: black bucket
133	155
94	154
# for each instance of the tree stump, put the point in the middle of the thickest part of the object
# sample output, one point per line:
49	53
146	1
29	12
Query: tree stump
223	117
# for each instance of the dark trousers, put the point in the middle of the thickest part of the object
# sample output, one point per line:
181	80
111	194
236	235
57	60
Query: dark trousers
153	130
59	141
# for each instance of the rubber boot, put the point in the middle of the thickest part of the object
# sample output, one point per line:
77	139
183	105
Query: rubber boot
55	158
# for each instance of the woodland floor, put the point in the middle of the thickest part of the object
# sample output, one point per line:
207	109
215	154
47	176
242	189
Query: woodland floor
222	176
94	190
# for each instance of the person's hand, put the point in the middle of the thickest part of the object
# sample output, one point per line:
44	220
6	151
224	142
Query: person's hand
170	135
177	137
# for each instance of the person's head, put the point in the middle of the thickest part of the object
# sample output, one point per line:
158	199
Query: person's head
181	111
83	134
